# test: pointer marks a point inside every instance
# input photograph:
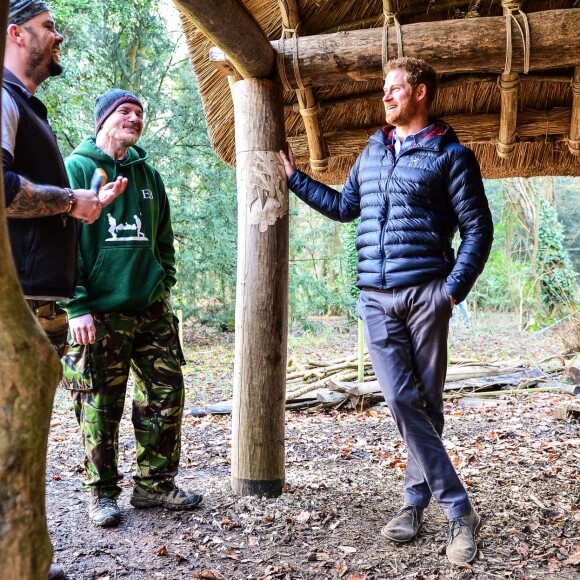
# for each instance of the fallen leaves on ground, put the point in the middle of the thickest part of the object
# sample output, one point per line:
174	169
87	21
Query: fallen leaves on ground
344	477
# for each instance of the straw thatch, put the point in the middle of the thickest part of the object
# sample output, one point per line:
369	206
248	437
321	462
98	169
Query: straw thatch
352	111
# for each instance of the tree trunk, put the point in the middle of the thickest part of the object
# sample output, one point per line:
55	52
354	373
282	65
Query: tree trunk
29	373
262	291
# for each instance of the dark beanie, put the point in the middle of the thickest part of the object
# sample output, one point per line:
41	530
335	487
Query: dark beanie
23	10
108	103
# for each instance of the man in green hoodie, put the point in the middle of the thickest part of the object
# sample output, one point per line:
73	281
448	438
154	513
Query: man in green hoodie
122	316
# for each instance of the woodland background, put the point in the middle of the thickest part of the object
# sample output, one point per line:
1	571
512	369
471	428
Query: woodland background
344	468
138	45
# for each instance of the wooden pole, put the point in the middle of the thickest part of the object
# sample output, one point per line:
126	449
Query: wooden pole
574	137
262	291
234	30
29	373
508	85
308	107
361	350
469	45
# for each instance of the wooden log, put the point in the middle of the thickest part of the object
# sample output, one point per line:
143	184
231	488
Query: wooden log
550	125
574	137
506	143
29	373
355	389
262	291
573	371
569	410
234	30
451	46
330	397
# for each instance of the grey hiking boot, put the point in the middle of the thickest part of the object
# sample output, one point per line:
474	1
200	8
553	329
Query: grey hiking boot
462	547
404	525
104	512
176	499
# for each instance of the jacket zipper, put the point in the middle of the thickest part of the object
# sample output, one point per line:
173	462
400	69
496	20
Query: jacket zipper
383	229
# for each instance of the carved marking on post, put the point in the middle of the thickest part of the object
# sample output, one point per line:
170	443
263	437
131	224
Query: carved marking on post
265	183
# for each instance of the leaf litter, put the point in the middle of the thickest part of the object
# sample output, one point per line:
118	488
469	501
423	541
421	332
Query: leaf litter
344	476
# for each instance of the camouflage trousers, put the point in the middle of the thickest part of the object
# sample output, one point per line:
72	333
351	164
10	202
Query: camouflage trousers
147	343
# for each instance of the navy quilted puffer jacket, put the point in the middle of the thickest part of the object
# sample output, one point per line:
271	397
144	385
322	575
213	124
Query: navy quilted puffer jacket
410	208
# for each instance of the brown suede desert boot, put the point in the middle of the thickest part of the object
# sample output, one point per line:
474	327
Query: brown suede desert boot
462	547
404	525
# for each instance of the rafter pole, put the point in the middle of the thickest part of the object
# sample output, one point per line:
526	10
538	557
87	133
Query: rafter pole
308	106
471	45
508	84
471	129
574	137
233	29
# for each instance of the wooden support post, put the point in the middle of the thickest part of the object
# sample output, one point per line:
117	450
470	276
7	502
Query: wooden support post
262	291
574	137
508	85
29	373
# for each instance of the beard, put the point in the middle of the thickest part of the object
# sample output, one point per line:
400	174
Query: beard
38	68
402	115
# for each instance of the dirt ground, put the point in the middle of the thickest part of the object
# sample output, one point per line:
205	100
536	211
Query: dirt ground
344	473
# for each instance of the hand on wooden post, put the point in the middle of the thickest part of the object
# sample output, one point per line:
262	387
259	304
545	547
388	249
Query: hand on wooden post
288	161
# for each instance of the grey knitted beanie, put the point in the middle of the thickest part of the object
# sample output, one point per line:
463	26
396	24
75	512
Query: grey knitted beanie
107	103
23	10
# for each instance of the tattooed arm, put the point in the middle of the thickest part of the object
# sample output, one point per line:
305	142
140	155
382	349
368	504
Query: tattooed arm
32	201
24	199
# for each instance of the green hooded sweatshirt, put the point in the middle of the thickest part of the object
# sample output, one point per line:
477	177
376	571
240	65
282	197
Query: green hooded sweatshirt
127	258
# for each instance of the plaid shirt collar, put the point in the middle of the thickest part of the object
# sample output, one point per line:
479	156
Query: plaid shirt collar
410	141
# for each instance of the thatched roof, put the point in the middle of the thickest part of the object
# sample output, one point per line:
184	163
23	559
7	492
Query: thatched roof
352	110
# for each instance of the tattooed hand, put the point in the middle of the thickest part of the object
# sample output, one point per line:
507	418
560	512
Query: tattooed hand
33	200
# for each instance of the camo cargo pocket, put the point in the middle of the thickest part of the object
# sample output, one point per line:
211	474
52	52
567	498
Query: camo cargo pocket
76	368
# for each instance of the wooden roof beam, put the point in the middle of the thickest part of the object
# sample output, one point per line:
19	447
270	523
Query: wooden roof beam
452	46
233	29
574	137
532	125
307	104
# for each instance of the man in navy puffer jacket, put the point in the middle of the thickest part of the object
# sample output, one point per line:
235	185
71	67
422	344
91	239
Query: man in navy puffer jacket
413	187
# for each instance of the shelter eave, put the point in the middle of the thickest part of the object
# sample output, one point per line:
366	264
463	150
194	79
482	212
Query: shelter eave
351	111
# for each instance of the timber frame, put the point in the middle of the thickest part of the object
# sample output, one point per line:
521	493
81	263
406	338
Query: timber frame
507	71
311	72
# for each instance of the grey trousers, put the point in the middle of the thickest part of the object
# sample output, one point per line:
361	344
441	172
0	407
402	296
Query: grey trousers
406	332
